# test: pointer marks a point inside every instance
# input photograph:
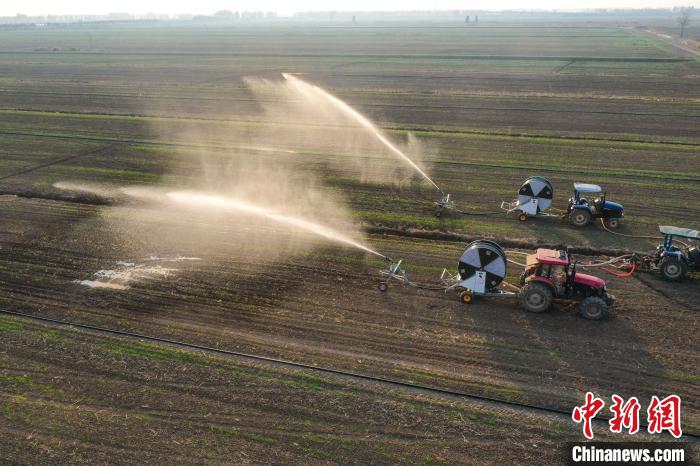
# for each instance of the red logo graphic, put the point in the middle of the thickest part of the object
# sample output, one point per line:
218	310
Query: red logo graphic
662	415
587	412
665	415
625	415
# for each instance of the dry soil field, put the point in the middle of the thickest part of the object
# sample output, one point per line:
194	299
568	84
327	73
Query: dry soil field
119	104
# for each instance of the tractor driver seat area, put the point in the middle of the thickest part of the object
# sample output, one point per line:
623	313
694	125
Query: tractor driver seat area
694	256
597	204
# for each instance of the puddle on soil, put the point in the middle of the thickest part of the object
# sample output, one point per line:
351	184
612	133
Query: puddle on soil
99	284
173	259
128	272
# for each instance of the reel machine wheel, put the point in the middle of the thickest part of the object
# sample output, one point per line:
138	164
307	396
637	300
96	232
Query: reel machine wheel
467	297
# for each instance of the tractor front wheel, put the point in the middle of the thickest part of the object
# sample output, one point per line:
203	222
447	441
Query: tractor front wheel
522	217
673	269
536	297
612	223
593	308
580	217
383	287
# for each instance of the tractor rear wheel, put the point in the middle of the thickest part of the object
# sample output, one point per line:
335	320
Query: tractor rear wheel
580	217
536	297
673	269
593	308
612	223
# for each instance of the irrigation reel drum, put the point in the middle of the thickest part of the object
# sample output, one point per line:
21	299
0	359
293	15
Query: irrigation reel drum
481	269
534	198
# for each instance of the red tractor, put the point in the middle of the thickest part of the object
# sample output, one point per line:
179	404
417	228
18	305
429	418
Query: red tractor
549	275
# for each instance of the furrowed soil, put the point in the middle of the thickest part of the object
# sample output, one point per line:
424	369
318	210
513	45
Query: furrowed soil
493	104
73	397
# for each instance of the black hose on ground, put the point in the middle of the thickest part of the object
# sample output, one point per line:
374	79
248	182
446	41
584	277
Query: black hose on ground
463	212
602	222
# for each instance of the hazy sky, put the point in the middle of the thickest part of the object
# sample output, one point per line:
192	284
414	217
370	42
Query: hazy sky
41	7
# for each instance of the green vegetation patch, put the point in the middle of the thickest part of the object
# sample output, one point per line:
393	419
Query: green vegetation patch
143	350
11	326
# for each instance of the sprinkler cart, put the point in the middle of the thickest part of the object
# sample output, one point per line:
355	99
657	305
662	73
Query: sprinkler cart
534	197
672	259
445	203
582	211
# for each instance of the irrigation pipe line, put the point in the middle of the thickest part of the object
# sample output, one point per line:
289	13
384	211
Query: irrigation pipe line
639	236
61	160
597	264
624	274
298	365
430	288
602	222
463	212
608	262
422	287
516	263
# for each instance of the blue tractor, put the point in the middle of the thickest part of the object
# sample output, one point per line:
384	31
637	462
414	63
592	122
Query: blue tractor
674	261
588	203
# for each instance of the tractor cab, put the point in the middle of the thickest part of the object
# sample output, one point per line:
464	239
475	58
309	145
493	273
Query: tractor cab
675	259
589	202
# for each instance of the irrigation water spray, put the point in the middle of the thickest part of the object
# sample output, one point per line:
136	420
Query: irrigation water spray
195	199
309	89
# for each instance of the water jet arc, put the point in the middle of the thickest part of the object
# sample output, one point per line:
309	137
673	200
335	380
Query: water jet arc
196	199
303	86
